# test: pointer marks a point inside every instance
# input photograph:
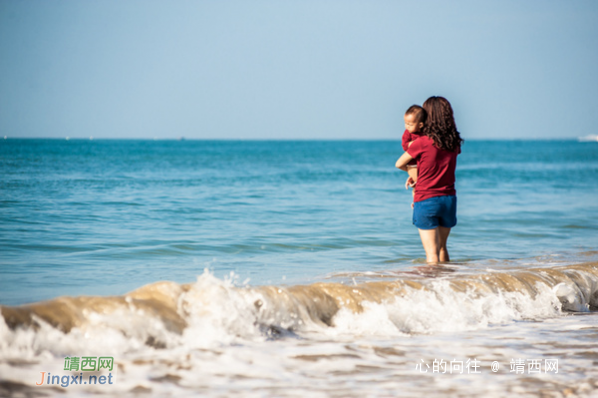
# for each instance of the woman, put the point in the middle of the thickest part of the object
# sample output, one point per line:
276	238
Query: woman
435	201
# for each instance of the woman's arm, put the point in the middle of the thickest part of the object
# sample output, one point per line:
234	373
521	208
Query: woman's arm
403	160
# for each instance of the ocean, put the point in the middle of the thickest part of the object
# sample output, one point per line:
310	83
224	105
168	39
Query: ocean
292	269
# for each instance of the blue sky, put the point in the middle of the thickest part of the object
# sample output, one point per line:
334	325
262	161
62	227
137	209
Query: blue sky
295	69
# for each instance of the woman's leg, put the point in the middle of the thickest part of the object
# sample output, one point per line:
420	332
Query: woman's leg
443	234
430	242
434	243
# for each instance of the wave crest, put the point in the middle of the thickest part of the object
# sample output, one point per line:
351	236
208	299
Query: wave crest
213	312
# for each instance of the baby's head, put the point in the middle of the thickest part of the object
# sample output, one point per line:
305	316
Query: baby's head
415	117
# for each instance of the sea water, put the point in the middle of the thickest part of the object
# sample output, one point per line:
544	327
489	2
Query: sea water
295	270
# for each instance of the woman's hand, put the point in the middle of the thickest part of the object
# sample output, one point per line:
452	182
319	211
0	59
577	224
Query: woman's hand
409	183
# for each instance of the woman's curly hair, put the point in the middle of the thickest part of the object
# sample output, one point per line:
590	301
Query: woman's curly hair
440	125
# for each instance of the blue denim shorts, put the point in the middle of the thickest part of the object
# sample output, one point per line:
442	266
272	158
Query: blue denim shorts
434	212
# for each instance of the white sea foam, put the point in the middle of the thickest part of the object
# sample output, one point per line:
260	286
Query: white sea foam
255	337
218	313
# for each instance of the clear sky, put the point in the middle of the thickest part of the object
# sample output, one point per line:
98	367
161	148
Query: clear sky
276	69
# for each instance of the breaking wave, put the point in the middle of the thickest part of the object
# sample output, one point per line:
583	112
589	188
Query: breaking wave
213	312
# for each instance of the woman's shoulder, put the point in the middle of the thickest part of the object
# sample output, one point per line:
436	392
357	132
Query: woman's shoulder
421	146
424	141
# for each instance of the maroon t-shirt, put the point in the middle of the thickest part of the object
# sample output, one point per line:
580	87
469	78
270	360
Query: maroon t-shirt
407	138
435	169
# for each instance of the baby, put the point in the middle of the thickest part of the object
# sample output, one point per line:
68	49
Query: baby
415	117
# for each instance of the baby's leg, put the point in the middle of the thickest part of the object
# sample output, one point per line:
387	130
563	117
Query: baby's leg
412	171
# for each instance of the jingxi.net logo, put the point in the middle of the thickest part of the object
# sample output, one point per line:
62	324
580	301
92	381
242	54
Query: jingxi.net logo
80	371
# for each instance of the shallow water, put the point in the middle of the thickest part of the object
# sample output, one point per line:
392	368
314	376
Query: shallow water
108	216
315	281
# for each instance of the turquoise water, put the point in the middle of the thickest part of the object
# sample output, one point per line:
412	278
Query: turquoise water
316	283
102	217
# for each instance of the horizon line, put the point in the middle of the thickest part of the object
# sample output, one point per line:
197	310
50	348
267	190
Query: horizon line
91	138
